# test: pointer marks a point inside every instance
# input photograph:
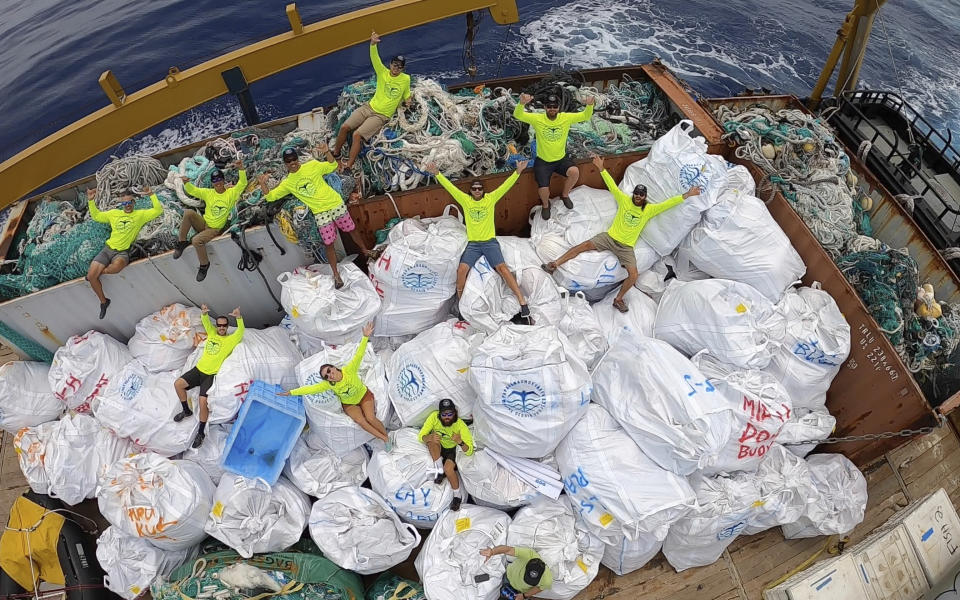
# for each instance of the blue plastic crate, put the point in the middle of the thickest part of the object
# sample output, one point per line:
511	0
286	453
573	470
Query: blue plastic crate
264	434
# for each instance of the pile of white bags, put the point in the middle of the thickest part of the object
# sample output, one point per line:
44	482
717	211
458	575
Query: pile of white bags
140	405
83	367
404	477
805	424
330	427
431	367
519	253
131	564
729	319
487	302
739	240
624	556
416	275
265	354
840	502
816	343
582	328
210	452
639	319
252	517
676	163
532	388
492	484
569	550
664	403
320	471
319	310
449	562
164	339
164	501
356	529
786	486
617	489
25	396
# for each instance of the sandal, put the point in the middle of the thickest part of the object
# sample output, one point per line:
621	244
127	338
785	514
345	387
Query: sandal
549	267
620	305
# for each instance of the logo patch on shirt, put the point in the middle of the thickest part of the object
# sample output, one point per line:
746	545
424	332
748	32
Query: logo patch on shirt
632	219
524	398
123	223
477	215
411	383
306	188
552	134
212	347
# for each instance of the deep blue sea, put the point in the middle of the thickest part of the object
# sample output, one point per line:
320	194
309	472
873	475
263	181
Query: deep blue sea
53	51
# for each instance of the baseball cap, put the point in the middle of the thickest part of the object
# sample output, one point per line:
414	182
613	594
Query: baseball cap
447	404
534	571
399	59
552	101
639	190
216	175
290	154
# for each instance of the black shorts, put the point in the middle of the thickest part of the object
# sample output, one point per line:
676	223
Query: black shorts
449	454
543	170
195	377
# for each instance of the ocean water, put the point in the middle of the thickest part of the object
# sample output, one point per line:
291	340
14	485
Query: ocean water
53	51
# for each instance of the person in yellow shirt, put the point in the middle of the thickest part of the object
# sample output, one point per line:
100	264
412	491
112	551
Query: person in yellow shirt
218	202
478	211
356	398
125	224
552	128
305	182
443	433
216	349
633	213
527	575
393	86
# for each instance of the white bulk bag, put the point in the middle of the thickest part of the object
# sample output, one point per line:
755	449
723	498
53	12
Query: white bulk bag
416	274
532	388
25	396
164	339
431	367
307	344
131	564
320	471
210	452
570	551
840	502
404	477
725	506
624	556
163	501
264	354
638	319
816	343
317	309
83	367
739	240
676	162
761	406
740	179
618	490
78	452
30	445
140	405
329	426
729	319
252	517
786	486
450	562
805	424
583	328
491	484
487	302
356	529
519	253
662	400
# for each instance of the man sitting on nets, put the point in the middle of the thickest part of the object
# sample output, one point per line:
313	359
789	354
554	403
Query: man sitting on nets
478	209
216	349
393	86
443	432
125	224
356	398
305	181
218	202
526	576
633	213
552	129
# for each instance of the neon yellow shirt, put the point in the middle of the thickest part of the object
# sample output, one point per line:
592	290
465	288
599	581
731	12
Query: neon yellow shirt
218	206
552	135
390	90
518	567
434	425
124	226
308	186
218	347
631	219
350	390
478	213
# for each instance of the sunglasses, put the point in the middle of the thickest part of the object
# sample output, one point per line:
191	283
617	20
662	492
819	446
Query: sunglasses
477	188
447	414
222	325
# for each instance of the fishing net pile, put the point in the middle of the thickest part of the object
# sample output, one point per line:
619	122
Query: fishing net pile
803	159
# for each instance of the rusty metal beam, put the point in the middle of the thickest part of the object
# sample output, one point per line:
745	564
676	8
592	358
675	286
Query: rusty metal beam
130	114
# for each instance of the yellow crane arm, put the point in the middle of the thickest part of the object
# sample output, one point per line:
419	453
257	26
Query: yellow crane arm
130	114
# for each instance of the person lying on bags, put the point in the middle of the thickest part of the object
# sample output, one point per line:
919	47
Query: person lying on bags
443	433
526	576
357	400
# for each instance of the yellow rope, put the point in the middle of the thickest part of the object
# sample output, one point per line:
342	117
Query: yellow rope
840	543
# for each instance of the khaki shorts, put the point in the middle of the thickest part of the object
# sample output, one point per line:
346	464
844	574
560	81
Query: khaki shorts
365	121
625	254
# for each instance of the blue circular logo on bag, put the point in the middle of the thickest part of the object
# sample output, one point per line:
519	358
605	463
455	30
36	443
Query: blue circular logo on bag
419	277
731	531
411	382
131	387
524	398
694	174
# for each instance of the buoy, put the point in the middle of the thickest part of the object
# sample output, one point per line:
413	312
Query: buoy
866	203
851	179
769	152
809	147
926	305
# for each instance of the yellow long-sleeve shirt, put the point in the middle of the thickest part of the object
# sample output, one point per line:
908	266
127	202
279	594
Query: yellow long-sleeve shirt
390	90
217	347
479	214
631	219
434	425
350	389
309	187
552	133
124	226
217	206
